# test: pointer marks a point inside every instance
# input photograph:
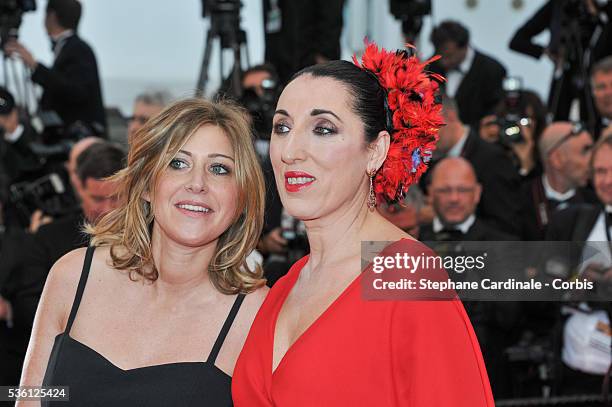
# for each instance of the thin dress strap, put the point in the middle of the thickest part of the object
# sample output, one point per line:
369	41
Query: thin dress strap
80	288
226	327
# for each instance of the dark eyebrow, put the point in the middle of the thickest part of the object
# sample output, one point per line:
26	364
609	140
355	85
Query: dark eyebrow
282	112
213	155
316	112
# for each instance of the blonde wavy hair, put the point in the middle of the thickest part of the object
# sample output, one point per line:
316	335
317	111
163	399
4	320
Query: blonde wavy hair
127	229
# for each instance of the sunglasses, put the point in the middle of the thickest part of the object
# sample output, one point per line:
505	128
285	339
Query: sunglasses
577	128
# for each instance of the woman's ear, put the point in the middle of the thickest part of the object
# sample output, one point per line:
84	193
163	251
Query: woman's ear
378	151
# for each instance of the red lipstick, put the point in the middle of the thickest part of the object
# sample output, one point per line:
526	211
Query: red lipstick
297	180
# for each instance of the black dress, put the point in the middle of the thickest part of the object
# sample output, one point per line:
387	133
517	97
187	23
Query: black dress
94	381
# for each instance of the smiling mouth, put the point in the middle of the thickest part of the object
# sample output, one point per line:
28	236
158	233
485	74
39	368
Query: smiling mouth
297	180
193	208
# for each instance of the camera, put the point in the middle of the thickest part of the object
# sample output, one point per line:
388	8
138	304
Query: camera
49	193
261	107
515	117
10	17
410	13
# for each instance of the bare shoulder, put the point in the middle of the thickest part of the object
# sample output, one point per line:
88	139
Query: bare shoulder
388	232
252	301
66	272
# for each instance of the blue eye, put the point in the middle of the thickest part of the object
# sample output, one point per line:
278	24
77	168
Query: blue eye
280	128
178	164
219	169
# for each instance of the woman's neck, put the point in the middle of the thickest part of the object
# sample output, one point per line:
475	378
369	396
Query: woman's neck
338	235
180	268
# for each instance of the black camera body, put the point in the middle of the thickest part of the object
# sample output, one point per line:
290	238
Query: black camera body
262	107
510	124
10	17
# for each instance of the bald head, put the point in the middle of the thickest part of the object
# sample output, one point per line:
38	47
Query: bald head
552	135
565	155
455	190
453	168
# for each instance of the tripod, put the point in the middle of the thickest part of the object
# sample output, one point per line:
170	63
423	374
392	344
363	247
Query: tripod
224	25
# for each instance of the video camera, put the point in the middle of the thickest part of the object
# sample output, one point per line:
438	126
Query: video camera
10	17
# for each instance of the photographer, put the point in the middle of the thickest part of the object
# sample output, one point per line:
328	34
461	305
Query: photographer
518	121
579	36
72	85
27	258
15	136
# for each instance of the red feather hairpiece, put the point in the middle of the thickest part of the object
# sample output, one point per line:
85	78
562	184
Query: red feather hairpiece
415	114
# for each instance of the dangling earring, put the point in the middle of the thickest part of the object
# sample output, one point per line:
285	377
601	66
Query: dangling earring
371	195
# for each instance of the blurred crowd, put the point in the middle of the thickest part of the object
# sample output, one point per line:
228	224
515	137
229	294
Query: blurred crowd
508	167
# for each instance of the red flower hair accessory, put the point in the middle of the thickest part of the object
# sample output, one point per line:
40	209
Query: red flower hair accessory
414	112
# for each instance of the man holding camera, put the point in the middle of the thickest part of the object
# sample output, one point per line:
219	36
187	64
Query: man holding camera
27	258
72	85
499	204
580	34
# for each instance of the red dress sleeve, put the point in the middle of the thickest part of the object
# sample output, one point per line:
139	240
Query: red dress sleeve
438	360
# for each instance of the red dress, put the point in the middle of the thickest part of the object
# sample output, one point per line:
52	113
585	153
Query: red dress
364	353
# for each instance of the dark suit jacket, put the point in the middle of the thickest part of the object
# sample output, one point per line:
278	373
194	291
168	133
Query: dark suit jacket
24	264
480	90
479	231
573	224
494	322
534	224
548	18
72	85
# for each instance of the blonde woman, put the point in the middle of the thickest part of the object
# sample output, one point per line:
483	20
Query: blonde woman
157	314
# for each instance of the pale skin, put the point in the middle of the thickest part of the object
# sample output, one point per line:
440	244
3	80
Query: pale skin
174	319
331	147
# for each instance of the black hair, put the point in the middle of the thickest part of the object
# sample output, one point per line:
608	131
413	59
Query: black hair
450	31
368	96
68	12
100	160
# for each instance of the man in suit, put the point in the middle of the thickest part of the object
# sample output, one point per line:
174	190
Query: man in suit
586	351
601	84
565	152
593	34
473	79
499	203
455	193
72	85
26	258
17	161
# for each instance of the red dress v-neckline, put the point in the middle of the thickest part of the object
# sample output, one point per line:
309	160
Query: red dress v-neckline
364	353
299	266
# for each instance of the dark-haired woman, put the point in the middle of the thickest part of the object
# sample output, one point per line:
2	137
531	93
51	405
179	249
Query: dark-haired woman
341	134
